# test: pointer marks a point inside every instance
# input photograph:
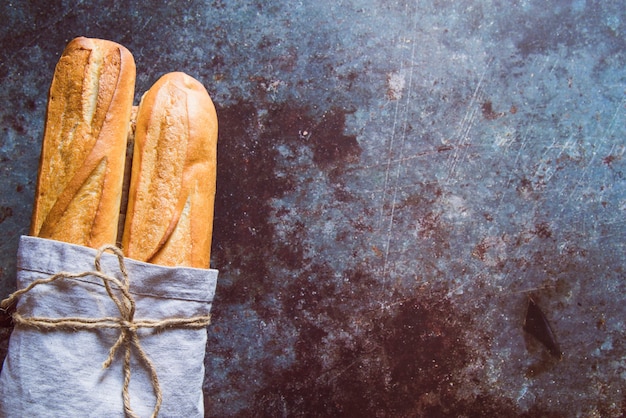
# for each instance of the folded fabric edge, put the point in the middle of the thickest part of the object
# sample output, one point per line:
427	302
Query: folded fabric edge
48	257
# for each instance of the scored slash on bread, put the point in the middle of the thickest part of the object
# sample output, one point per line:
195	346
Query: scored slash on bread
82	160
169	215
169	219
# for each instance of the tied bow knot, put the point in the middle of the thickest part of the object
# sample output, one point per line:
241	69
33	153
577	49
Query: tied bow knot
118	291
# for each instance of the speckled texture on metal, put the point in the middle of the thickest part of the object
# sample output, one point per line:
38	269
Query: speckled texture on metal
395	180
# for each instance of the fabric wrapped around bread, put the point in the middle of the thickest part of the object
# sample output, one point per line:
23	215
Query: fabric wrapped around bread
83	153
169	219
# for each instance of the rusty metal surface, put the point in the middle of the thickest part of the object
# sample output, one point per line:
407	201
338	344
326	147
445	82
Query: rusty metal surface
395	180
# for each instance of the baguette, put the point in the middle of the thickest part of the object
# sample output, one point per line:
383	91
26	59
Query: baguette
169	219
81	169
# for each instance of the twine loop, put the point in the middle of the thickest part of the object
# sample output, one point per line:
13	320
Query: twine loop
128	339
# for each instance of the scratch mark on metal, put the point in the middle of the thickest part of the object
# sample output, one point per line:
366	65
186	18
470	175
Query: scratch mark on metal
594	146
465	126
399	165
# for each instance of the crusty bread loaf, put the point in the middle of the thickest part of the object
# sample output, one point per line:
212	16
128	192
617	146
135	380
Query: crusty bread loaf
82	159
169	219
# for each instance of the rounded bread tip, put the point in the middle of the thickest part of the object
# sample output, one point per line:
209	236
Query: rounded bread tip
182	80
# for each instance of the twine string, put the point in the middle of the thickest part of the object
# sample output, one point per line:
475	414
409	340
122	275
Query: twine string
128	339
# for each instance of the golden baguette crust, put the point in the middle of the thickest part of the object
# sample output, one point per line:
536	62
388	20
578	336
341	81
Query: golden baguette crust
83	152
169	220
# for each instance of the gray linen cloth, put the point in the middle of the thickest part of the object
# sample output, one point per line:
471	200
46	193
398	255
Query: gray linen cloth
57	373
